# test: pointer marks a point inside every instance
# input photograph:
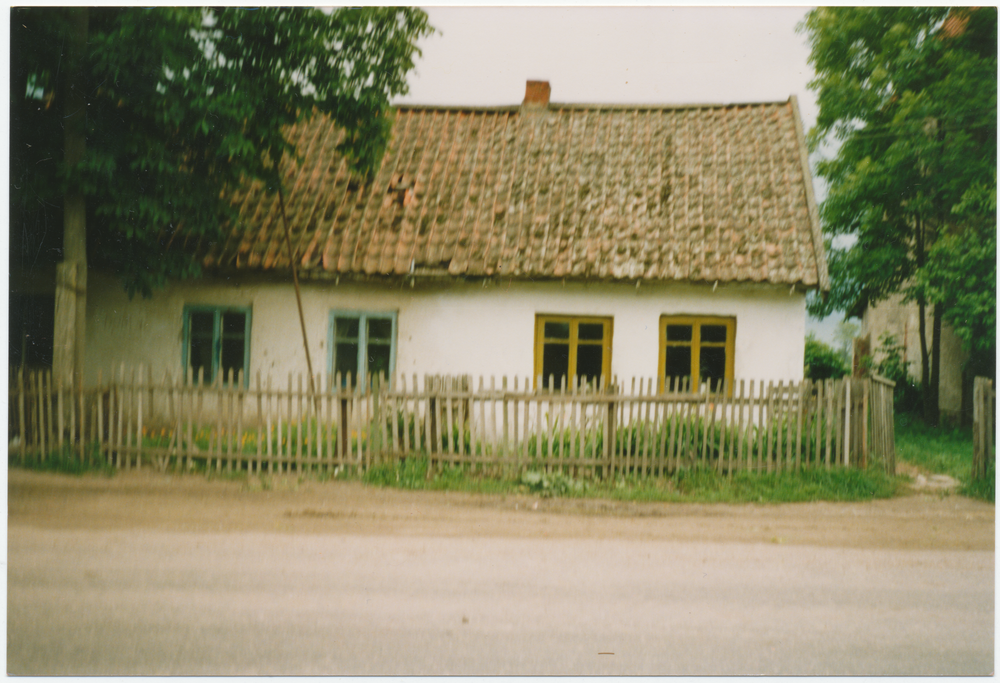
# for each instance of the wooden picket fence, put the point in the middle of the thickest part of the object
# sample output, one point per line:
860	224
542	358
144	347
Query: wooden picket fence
488	427
984	455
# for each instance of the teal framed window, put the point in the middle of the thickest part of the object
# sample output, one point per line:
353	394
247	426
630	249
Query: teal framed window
217	340
362	343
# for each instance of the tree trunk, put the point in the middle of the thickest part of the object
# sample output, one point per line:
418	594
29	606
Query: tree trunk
932	410
929	397
71	274
925	372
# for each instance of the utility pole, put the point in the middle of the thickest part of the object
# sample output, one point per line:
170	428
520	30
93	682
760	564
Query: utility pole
71	275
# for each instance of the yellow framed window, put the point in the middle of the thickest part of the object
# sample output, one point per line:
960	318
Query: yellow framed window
697	347
572	346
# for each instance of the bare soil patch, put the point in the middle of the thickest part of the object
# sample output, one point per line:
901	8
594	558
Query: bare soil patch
923	520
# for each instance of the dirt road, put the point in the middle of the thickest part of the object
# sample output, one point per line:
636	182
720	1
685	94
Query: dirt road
154	574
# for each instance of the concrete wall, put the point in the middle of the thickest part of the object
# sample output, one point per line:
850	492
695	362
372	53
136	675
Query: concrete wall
481	329
901	319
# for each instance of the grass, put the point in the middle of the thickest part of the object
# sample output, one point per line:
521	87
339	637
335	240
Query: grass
699	485
65	461
942	450
695	486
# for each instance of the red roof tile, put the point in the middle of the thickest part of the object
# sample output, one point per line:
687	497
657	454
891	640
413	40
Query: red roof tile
708	193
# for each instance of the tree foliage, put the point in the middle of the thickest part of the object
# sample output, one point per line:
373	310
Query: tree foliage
907	99
913	110
184	104
961	272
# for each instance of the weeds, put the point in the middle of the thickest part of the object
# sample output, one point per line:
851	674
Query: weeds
690	485
983	489
65	461
551	484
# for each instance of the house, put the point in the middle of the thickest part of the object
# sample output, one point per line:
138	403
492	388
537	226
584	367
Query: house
540	239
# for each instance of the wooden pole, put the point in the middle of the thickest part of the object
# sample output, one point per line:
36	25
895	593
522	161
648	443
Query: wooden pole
298	294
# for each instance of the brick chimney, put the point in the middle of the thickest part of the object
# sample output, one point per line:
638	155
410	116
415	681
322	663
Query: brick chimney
536	94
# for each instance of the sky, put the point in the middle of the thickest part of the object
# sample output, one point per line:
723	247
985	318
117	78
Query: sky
661	55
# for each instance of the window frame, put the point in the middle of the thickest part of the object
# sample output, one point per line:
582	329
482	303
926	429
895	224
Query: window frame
696	322
362	316
217	312
574	322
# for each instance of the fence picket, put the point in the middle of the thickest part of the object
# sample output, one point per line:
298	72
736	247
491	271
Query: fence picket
577	428
60	423
83	423
481	431
847	422
40	415
428	416
47	410
705	419
100	419
663	428
22	433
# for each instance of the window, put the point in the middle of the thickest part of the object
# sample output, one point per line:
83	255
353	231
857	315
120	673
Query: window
363	344
700	348
217	340
570	347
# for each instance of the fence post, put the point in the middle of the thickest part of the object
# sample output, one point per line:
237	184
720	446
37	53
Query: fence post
432	409
977	423
983	406
862	426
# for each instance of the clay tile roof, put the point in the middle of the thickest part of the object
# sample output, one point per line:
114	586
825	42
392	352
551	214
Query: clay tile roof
701	193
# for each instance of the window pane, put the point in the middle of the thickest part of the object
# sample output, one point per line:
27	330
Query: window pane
202	323
555	361
678	361
346	328
589	361
200	350
713	364
555	330
346	360
680	333
591	331
234	324
200	356
232	356
713	333
380	328
378	360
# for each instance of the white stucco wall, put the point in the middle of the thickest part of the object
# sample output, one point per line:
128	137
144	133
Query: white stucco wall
449	329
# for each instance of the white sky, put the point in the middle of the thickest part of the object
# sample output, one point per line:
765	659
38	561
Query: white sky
662	55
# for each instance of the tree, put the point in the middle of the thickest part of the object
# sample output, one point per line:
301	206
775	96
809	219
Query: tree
182	106
844	337
823	362
909	96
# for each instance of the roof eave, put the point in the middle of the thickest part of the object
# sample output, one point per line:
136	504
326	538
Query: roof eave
819	249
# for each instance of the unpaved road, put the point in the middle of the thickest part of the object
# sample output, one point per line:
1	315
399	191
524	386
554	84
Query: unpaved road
153	574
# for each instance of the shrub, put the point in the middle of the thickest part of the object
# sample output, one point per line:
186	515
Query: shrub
891	364
823	362
551	484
